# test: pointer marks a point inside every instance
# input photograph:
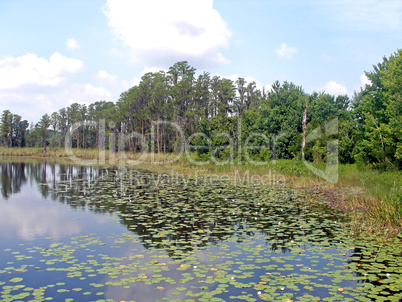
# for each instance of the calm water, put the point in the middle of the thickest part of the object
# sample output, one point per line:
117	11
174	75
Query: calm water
84	234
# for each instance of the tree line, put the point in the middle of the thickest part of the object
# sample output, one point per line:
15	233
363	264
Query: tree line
212	115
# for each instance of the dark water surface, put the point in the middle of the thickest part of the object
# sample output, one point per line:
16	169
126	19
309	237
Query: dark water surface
86	234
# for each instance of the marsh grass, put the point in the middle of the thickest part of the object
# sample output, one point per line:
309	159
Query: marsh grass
56	152
373	198
380	217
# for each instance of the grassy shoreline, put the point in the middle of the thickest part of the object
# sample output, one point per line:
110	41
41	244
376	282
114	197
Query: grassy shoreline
372	198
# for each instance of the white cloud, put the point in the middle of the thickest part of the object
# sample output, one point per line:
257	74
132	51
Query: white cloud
267	88
30	69
334	88
72	44
32	86
364	80
127	85
135	81
44	220
152	69
285	51
32	104
164	31
85	94
104	75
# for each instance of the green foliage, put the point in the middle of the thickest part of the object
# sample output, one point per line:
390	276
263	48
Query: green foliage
12	130
42	127
378	110
215	116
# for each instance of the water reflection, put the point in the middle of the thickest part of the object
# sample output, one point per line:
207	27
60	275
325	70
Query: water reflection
12	177
37	221
175	214
26	215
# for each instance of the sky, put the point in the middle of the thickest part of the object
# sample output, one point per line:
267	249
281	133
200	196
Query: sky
55	53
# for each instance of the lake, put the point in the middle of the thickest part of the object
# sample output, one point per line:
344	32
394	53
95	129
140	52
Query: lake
70	233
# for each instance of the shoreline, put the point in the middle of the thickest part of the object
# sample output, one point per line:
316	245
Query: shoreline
375	207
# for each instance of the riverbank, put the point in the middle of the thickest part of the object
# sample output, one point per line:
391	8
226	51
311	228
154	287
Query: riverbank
372	198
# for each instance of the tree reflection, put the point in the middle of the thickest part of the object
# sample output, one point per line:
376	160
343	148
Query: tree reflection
172	213
12	178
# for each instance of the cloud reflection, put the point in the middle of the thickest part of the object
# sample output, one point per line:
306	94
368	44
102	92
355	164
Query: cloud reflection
29	223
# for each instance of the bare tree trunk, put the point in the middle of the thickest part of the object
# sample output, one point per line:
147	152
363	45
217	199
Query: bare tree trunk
78	138
83	136
130	140
142	135
157	136
304	131
164	140
135	143
54	139
97	135
177	138
130	145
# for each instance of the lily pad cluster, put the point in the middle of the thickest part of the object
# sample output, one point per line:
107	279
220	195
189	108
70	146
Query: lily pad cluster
193	213
195	240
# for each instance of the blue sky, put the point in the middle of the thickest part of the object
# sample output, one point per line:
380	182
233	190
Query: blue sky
55	53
